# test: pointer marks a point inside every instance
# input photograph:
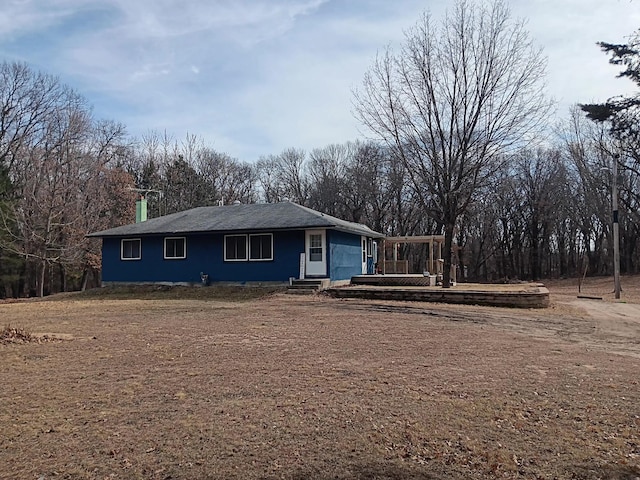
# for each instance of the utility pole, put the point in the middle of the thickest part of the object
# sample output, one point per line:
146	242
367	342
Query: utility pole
616	231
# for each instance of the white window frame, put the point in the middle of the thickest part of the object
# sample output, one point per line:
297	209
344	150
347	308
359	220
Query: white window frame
184	239
320	247
249	245
122	240
246	250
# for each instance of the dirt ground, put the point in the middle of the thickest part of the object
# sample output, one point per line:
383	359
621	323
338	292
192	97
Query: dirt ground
298	387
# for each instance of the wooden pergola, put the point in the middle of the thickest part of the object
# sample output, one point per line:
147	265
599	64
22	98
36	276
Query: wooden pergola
435	263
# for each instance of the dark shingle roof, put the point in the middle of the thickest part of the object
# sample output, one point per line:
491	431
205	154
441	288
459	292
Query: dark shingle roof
231	218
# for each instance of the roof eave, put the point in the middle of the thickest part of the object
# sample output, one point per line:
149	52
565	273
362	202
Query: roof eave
111	234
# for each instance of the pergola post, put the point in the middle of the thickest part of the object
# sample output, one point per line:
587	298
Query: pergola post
384	256
431	257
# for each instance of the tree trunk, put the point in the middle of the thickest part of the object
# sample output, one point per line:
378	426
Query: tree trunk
461	259
63	279
562	256
448	242
41	276
534	254
85	279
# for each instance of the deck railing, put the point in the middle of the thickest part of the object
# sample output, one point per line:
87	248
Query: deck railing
396	266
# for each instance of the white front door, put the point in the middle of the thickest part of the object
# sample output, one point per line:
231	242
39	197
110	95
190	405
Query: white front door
363	240
316	253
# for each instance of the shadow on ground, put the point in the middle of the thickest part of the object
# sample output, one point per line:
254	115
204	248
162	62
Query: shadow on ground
382	471
377	471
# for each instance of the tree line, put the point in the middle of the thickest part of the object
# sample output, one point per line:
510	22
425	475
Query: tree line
457	149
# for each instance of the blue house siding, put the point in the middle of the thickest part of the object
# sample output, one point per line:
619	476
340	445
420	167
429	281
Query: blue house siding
152	267
345	255
287	247
205	253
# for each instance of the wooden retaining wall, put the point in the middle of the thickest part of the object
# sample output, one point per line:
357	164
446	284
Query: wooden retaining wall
537	297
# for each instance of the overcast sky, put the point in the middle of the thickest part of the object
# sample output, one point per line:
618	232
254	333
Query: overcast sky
253	77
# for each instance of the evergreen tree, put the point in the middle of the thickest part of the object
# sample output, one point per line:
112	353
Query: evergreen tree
622	112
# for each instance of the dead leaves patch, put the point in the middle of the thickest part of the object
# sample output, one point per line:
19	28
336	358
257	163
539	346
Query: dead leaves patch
17	335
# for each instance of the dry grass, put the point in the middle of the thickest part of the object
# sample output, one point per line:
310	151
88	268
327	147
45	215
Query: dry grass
165	292
598	287
312	387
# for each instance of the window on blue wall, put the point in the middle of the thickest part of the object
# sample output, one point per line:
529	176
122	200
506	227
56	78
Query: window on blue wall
130	249
261	247
235	248
175	247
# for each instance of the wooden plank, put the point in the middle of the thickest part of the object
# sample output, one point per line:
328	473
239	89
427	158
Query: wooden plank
416	239
590	297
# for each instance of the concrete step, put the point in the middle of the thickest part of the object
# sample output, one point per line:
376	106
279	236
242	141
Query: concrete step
315	283
308	285
302	291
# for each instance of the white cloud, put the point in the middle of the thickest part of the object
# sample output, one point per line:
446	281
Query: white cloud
16	16
569	30
149	71
257	76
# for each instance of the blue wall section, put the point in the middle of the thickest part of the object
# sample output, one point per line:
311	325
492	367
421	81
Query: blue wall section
345	255
204	254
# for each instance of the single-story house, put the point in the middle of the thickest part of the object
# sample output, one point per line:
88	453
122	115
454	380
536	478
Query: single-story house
256	243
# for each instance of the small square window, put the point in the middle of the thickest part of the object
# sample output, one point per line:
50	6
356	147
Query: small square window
235	248
175	248
130	249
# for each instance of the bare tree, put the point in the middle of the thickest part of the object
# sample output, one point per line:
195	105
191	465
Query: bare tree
55	156
590	147
327	174
541	177
45	177
452	101
365	194
266	170
26	99
226	179
284	176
